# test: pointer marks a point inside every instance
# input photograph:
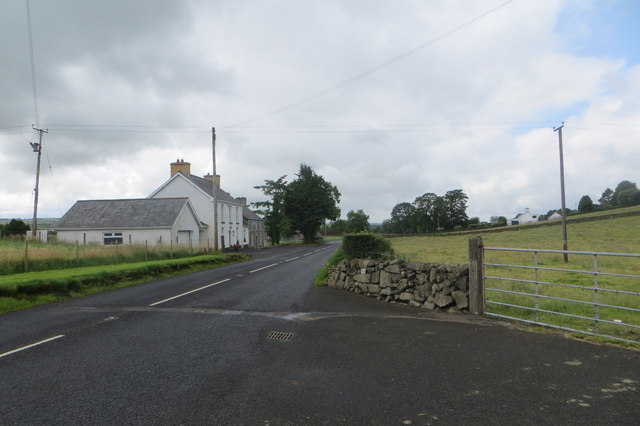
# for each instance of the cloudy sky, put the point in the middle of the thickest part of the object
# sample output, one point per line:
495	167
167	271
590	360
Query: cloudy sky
387	99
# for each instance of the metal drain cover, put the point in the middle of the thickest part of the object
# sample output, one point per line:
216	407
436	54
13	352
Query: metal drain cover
280	336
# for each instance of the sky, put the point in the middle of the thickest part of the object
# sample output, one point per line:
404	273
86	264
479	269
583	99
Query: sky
386	99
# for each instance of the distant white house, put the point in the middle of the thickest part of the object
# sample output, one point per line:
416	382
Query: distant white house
131	221
555	215
522	218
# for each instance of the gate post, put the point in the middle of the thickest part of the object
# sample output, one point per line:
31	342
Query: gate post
476	280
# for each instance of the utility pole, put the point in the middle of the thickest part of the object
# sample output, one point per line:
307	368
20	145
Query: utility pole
37	147
565	245
215	190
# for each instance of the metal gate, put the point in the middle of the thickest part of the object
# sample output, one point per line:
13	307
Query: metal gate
597	294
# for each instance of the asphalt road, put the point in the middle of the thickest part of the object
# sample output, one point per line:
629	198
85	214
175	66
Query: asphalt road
200	349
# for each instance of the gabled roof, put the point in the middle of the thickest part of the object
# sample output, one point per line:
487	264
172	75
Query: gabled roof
125	213
202	184
249	214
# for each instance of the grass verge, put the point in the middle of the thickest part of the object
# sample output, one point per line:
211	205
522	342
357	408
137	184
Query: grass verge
22	291
321	277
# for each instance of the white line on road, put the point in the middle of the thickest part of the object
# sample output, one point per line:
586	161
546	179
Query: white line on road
32	345
307	254
293	258
189	292
264	267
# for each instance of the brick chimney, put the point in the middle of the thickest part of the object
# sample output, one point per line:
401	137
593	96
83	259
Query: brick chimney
181	166
209	177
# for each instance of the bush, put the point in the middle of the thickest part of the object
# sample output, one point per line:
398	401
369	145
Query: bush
365	246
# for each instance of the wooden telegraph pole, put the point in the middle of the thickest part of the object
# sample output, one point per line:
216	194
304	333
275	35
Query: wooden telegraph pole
565	244
37	147
215	191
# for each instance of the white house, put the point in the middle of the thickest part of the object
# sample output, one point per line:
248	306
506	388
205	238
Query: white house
522	218
131	221
231	211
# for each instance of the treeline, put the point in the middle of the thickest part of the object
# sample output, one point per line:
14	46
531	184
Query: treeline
15	228
626	194
429	213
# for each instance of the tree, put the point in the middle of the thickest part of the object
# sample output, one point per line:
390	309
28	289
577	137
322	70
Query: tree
309	200
498	221
357	221
273	210
585	205
456	202
628	197
425	212
622	186
403	218
338	226
606	199
15	227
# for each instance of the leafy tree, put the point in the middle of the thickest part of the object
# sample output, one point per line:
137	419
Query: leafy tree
275	220
15	227
357	221
606	199
309	200
628	197
498	221
622	186
585	204
456	202
403	218
338	226
425	212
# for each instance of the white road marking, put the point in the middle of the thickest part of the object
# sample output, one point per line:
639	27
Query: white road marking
264	267
32	345
189	292
293	258
307	254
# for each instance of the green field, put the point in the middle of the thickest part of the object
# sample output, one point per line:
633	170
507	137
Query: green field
616	235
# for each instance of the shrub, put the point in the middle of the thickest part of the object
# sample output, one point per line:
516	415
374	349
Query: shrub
364	246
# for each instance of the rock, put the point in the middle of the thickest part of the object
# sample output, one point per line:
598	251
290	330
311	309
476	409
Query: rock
415	304
417	266
429	305
373	289
405	297
362	278
385	279
462	283
375	277
461	298
403	284
393	268
447	290
441	300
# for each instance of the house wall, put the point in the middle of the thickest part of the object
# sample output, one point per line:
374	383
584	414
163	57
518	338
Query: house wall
229	221
129	236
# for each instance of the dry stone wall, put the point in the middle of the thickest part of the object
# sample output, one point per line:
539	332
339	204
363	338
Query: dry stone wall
428	285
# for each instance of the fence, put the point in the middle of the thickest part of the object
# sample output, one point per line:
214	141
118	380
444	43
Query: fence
595	293
25	256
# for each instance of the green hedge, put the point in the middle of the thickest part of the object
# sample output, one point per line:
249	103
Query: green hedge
365	246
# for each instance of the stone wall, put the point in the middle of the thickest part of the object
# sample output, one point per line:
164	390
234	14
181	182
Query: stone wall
427	285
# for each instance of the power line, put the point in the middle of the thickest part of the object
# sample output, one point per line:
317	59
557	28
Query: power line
371	70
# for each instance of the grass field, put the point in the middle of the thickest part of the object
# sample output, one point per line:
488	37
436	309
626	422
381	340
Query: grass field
618	235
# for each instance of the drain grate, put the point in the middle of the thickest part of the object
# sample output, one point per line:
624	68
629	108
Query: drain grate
280	336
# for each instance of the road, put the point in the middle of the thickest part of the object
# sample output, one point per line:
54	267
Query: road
201	349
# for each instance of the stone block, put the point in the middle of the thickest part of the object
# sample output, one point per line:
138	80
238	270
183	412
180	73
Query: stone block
362	278
375	277
441	300
462	283
447	290
417	266
415	304
461	298
373	289
429	305
393	268
405	297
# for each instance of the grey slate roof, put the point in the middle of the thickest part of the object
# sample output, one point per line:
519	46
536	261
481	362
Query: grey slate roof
207	186
249	214
127	213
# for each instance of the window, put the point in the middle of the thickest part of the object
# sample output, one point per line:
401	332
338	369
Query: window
110	238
